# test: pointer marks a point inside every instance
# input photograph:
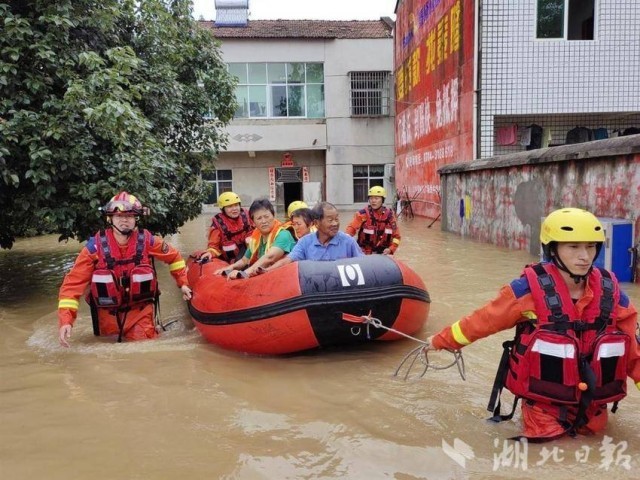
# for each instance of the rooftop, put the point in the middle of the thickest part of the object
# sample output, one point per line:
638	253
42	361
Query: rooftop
352	29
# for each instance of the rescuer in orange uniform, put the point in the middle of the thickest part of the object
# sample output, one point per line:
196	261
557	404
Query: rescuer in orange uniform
117	265
375	226
230	229
575	340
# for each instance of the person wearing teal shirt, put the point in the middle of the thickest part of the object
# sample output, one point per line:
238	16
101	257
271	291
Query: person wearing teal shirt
268	243
283	240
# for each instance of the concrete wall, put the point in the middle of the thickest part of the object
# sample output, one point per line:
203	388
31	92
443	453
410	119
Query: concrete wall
354	141
264	135
332	144
275	134
501	200
251	175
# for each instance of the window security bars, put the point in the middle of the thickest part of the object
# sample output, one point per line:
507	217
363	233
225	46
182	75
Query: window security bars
369	94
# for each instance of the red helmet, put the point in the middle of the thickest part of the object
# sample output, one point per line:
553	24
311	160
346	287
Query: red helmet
124	204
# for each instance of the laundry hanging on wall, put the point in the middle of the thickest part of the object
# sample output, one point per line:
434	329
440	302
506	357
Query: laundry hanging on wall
535	140
507	135
546	137
525	136
579	135
600	133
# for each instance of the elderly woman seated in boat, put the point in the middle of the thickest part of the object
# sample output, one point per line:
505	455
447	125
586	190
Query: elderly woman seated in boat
301	223
268	243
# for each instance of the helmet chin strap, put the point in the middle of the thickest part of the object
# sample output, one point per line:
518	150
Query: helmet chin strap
553	253
127	232
576	278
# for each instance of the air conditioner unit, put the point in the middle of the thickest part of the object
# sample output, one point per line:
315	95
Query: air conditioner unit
390	172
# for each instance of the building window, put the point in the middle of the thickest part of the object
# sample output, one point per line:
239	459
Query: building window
221	181
565	19
365	177
273	90
369	93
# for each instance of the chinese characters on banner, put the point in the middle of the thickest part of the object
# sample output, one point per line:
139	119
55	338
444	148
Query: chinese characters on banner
272	184
305	174
434	70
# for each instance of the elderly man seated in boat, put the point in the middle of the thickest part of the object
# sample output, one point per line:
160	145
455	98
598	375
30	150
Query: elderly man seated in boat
327	243
268	243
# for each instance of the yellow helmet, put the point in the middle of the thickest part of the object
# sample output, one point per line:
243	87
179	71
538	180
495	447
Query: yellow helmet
297	205
228	198
571	225
377	191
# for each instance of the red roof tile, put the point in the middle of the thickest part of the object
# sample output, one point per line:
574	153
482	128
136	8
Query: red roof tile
304	29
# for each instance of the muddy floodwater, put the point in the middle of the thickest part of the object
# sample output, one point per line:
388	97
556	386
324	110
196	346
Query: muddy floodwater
178	407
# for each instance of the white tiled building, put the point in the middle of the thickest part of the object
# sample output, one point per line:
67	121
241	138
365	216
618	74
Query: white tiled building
514	75
315	115
558	64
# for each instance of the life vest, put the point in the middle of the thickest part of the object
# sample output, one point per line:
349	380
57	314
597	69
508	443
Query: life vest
562	359
121	281
256	237
375	234
234	234
288	225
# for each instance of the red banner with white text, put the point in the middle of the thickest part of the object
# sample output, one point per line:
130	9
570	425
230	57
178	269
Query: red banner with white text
434	54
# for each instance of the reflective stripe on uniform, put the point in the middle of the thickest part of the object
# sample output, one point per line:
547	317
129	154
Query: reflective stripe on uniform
638	385
140	277
458	336
177	265
396	241
68	303
102	278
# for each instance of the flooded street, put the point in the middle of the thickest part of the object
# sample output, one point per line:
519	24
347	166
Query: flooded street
178	407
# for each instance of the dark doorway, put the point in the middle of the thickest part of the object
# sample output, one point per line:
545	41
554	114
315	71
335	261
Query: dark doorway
292	192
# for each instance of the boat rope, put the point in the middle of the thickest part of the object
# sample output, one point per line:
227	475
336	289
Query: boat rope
370	321
421	352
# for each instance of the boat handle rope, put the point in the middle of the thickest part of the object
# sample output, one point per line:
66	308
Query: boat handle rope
421	352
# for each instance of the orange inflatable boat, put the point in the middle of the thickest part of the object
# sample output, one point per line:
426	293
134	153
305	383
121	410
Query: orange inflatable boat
303	305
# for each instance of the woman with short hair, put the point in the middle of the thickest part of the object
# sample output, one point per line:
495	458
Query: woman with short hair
268	243
302	222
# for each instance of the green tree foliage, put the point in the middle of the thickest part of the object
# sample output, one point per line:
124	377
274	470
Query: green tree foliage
102	96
